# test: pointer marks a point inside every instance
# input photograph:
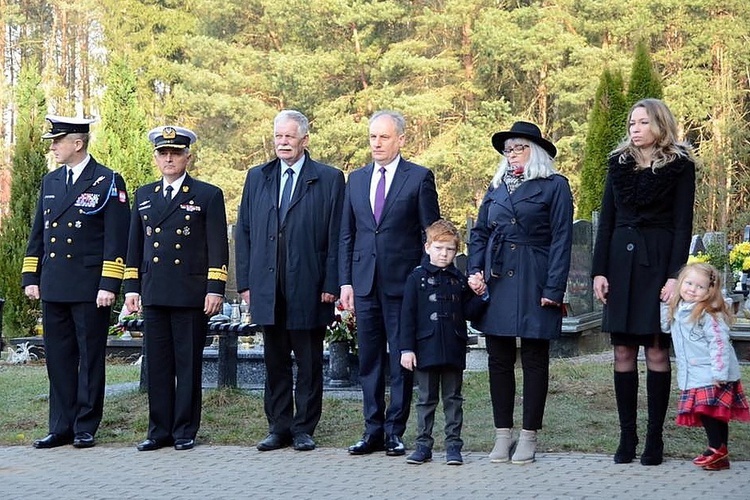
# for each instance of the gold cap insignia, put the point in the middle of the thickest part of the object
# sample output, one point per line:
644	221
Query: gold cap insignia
169	133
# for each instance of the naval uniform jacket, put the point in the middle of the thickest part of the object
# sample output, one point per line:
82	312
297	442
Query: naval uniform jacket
78	240
177	253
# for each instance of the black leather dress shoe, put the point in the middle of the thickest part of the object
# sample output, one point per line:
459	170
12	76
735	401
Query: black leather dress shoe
273	441
52	440
366	445
84	440
303	442
184	444
394	447
150	445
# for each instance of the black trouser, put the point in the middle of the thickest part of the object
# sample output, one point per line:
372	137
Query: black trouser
75	343
501	353
174	337
290	407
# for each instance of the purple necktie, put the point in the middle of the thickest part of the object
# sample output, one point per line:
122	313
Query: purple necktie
380	196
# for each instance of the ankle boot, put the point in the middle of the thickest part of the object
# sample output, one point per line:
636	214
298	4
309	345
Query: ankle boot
525	449
658	385
626	395
503	442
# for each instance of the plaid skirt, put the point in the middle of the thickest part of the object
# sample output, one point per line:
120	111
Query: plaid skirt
724	403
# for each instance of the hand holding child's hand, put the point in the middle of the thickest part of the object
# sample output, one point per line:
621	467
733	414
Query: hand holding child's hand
477	283
409	361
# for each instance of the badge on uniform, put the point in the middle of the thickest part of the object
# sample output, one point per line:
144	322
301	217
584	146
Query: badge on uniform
148	230
191	208
87	200
186	230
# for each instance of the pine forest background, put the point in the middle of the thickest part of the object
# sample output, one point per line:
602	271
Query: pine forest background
459	70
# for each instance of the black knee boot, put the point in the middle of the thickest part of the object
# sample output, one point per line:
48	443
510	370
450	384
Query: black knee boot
626	395
658	385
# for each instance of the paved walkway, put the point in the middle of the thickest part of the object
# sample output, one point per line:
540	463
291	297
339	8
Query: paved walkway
232	472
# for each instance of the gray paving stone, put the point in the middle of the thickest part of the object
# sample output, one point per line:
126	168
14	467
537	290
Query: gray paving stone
233	472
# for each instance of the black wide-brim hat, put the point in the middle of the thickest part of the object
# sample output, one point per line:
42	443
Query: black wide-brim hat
523	130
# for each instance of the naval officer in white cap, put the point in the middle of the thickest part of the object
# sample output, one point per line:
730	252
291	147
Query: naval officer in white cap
176	271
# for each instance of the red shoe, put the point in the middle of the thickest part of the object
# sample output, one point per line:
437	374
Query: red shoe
720	464
715	456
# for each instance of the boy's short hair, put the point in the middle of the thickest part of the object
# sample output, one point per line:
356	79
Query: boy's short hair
442	230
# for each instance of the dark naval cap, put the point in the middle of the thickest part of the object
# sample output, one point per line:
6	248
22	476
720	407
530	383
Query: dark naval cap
63	125
171	137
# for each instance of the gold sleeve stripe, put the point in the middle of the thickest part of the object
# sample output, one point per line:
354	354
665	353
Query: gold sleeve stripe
30	264
215	273
113	269
131	273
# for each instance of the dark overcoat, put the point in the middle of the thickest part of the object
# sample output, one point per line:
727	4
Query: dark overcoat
643	238
437	303
78	240
522	243
177	253
310	238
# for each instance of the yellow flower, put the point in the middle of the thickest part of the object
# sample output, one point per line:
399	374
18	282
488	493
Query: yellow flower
739	256
699	257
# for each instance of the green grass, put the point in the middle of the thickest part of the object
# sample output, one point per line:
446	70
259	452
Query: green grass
580	416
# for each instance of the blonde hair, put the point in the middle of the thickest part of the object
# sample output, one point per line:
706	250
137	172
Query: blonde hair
664	127
540	165
714	303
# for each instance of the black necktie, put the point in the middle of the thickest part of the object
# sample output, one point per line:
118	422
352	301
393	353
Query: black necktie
168	194
69	183
286	194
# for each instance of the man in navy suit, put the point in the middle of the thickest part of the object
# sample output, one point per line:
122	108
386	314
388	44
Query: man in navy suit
387	206
287	270
177	271
74	262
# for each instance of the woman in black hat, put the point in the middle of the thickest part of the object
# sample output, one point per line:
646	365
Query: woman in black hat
645	226
519	251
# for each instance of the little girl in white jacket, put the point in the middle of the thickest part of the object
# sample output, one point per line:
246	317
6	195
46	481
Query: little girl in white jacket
708	373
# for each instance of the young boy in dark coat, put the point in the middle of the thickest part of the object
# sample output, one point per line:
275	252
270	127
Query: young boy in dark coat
437	303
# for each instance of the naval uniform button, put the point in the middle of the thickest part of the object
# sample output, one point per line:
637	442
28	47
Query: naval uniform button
52	255
157	230
54	224
69	240
145	217
156	259
179	231
187	217
630	247
70	224
52	240
177	261
69	256
178	246
156	244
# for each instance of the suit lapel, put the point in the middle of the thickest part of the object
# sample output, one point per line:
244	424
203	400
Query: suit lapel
182	196
308	175
82	184
400	178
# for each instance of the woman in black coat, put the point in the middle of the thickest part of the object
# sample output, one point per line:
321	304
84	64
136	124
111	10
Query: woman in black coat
642	242
520	246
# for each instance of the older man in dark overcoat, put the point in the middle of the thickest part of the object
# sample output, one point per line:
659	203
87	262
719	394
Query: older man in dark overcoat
286	251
